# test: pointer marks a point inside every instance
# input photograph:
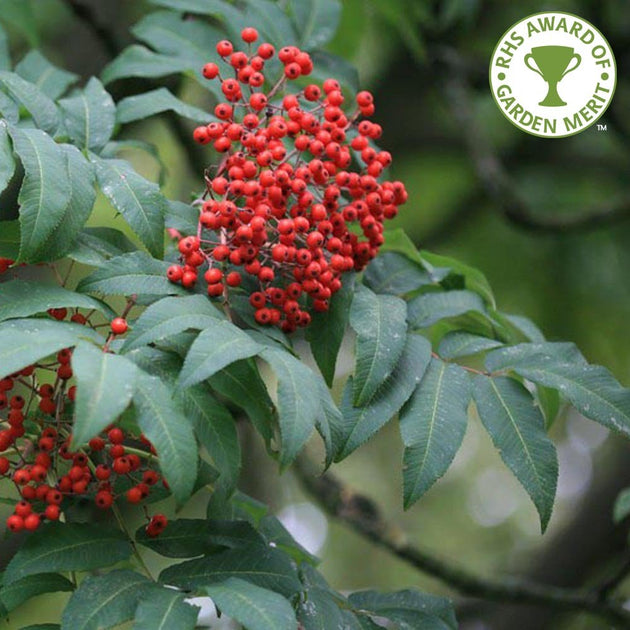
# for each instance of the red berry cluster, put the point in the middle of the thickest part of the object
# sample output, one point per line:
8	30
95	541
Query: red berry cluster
298	173
35	455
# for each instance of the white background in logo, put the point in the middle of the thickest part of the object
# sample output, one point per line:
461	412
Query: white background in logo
577	88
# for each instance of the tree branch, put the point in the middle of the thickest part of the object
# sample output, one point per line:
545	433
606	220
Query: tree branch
493	174
363	516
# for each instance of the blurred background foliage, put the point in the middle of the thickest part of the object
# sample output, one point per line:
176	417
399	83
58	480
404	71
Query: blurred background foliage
554	243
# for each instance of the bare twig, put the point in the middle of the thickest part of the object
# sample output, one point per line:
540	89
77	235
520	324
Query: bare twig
493	174
363	516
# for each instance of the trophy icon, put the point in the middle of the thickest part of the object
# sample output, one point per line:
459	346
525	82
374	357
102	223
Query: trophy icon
553	65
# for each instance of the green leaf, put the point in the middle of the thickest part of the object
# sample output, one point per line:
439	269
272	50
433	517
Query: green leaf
165	425
620	511
65	234
171	34
5	55
327	329
359	424
397	241
409	608
89	116
7	161
139	61
155	102
9	239
20	14
220	344
278	536
95	246
254	607
517	430
460	343
394	273
216	8
263	566
104	601
138	200
533	355
135	272
329	65
46	190
216	431
187	538
379	321
472	278
52	81
21	298
36	103
105	384
59	546
164	609
272	22
319	611
527	327
182	217
170	316
16	593
9	109
591	389
432	425
316	21
42	626
425	310
298	401
242	385
25	341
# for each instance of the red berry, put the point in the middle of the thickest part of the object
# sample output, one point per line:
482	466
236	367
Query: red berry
210	70
249	35
15	523
31	522
119	326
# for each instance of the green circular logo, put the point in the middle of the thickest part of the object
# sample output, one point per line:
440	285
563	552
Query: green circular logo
553	74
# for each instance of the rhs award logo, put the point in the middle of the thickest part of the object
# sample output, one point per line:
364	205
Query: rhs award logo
553	74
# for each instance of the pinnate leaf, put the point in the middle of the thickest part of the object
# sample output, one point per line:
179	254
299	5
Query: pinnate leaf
359	424
516	427
379	322
135	272
170	316
163	421
163	609
220	344
39	106
89	116
104	601
67	547
21	298
265	567
105	384
138	200
432	425
46	190
254	607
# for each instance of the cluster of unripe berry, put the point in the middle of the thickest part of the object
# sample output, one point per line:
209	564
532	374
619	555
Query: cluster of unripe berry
296	200
35	438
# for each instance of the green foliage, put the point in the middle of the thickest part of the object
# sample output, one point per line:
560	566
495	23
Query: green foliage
254	607
428	341
432	425
98	375
67	547
104	601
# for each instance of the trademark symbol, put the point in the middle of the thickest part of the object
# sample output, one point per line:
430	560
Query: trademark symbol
602	127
